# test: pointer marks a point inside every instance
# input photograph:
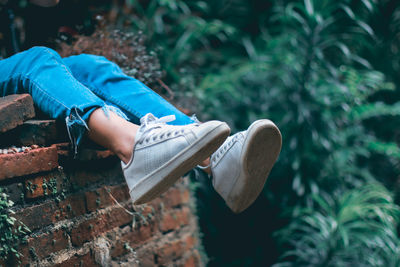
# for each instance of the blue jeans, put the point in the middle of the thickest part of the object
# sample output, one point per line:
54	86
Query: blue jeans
72	88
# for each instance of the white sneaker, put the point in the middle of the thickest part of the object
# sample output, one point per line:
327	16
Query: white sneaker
242	164
163	153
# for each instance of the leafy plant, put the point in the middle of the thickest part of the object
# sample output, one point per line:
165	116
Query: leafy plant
12	231
174	27
357	228
311	81
320	107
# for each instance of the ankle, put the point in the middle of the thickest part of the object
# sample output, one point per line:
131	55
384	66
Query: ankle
124	156
124	150
125	146
207	166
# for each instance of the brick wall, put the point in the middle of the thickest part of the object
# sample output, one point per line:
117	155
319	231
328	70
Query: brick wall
78	210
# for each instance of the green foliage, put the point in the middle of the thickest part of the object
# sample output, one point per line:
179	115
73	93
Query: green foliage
383	52
355	229
174	27
12	231
325	72
319	105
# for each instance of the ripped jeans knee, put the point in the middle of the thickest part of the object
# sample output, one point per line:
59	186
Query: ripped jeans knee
76	123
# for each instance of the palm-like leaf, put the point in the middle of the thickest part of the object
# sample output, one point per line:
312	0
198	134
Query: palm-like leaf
357	227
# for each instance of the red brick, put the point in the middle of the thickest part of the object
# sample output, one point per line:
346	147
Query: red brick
91	228
41	215
117	217
190	242
79	261
100	198
134	238
72	206
87	230
96	172
34	186
39	132
190	262
169	252
37	216
14	110
84	154
175	197
63	149
145	256
15	192
174	219
44	245
33	161
193	260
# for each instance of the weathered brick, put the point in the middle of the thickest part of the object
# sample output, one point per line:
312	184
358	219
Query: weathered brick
190	241
193	260
43	214
78	261
43	184
169	251
72	206
92	227
33	161
174	219
134	237
100	198
175	196
190	262
14	110
43	245
63	149
94	172
38	216
87	230
117	217
15	192
146	257
84	154
38	132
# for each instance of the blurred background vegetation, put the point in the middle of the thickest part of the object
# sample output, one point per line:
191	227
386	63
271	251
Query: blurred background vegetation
328	73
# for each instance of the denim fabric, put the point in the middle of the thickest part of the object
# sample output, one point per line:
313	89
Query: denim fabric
73	87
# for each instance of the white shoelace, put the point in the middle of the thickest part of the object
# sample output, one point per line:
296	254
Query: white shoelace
150	124
222	150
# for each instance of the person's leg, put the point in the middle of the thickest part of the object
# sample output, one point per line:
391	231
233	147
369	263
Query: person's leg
113	132
153	155
41	73
239	167
107	80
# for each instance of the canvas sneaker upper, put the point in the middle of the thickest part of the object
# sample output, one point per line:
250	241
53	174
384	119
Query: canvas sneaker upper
242	164
162	153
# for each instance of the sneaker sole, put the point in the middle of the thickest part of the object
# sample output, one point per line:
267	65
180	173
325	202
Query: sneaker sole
261	149
156	183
